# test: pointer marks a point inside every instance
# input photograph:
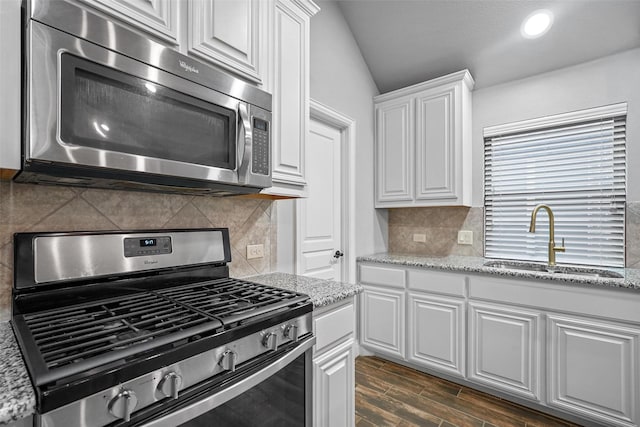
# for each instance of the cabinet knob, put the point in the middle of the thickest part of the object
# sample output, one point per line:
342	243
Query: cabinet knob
338	254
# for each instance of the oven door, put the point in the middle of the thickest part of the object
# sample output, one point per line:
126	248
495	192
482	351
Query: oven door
277	395
97	109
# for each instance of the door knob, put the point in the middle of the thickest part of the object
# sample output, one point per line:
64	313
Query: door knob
338	254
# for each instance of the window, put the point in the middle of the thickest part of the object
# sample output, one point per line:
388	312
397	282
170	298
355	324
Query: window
574	163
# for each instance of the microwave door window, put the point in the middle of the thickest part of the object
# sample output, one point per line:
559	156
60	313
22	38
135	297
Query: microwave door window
110	110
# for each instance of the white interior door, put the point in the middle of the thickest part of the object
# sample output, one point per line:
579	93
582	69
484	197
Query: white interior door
320	213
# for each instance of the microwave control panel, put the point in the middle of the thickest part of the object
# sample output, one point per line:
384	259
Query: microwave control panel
260	151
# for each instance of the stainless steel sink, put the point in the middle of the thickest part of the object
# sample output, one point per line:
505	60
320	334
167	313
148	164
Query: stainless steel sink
558	269
591	272
510	265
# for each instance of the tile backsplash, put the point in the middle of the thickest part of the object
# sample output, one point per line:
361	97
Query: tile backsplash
632	235
441	225
27	207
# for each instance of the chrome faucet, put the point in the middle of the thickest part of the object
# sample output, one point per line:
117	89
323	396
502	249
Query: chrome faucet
552	245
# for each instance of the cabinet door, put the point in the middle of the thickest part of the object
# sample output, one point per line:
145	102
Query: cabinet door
334	388
156	17
436	333
505	346
227	32
593	370
290	93
394	151
436	133
10	88
382	320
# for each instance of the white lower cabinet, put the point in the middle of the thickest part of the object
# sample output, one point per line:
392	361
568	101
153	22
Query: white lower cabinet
442	347
505	348
593	369
333	365
333	376
382	320
568	348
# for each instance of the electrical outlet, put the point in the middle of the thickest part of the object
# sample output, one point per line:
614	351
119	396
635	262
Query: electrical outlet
255	251
465	237
419	237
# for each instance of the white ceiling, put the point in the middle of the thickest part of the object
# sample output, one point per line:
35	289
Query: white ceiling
407	42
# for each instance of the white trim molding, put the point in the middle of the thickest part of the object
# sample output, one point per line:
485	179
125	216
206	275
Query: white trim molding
463	75
557	119
347	127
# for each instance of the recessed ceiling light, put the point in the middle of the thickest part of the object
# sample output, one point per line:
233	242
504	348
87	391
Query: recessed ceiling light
537	24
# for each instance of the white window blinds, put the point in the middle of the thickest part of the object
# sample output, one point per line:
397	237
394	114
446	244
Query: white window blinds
576	166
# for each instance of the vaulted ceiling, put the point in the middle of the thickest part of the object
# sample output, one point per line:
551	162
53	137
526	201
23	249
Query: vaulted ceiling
406	42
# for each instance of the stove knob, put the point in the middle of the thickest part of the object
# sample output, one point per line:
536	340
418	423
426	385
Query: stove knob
170	385
228	360
270	341
123	405
291	332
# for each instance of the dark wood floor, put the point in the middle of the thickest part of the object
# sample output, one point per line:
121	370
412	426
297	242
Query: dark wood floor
388	394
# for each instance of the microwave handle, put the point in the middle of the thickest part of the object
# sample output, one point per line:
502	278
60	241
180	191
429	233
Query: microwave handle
246	126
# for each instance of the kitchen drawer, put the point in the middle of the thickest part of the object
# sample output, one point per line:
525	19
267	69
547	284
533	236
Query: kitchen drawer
618	304
385	276
437	282
333	326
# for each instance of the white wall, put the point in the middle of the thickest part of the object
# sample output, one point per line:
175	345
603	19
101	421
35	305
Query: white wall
341	80
605	81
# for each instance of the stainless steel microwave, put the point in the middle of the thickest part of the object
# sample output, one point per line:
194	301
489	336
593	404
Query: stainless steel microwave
107	107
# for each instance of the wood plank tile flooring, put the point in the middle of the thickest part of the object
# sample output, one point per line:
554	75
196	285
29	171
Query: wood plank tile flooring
388	394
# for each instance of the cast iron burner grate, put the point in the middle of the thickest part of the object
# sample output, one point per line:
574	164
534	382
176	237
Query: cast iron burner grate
88	335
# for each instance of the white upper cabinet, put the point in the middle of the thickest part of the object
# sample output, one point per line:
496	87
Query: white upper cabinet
10	111
423	144
395	123
231	34
156	17
290	89
228	33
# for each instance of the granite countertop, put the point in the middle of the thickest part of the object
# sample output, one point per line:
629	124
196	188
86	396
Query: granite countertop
322	292
18	399
631	279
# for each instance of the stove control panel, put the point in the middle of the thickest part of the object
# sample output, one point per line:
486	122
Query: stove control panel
145	246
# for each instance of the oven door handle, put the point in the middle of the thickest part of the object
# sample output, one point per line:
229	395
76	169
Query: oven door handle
207	404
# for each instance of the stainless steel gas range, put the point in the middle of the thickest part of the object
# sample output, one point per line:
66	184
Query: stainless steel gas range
145	328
